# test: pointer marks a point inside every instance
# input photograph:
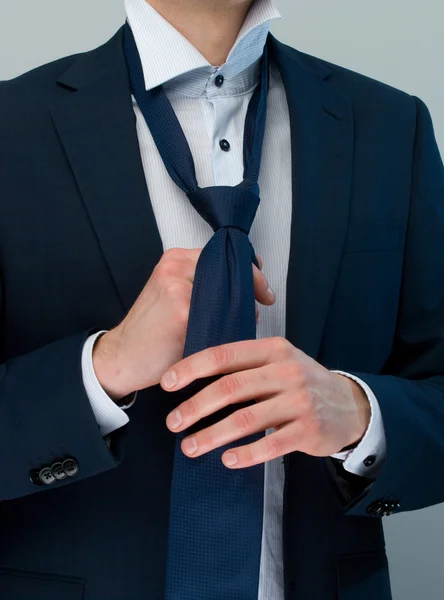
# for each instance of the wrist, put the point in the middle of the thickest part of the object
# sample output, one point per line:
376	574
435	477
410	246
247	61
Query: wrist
363	412
109	366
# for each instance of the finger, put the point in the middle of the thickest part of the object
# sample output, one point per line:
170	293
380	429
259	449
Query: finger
243	422
256	310
180	263
192	256
263	292
228	358
230	389
259	260
274	445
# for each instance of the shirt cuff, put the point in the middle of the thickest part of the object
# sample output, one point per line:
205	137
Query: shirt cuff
108	415
367	458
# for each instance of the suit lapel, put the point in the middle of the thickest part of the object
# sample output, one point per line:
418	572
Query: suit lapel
321	123
96	124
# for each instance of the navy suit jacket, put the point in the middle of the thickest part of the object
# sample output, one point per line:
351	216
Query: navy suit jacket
78	241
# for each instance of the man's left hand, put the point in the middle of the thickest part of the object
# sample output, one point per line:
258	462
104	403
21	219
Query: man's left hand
311	409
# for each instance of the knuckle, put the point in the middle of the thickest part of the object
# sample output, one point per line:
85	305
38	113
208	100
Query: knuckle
220	355
229	385
281	346
192	407
288	370
315	435
164	271
172	253
186	371
303	379
305	400
170	267
207	438
174	287
247	455
244	420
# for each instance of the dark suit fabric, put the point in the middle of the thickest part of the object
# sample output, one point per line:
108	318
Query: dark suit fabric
78	241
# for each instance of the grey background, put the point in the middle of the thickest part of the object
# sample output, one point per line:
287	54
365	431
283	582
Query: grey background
400	42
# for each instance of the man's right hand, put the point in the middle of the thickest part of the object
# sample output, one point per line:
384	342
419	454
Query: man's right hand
151	338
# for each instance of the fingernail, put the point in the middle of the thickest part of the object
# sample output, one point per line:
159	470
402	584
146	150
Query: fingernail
169	379
270	293
174	419
189	445
230	459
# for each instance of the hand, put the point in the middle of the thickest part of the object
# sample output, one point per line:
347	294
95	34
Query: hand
151	338
311	409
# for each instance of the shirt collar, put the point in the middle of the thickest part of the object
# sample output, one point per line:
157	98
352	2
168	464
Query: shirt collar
169	58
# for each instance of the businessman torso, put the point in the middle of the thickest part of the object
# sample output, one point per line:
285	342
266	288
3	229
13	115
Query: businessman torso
78	241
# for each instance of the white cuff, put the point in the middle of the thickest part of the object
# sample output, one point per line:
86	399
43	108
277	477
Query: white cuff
108	415
367	458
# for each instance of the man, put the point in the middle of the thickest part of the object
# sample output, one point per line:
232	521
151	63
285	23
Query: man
101	262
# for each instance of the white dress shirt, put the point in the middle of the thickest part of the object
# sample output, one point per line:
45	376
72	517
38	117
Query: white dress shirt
208	114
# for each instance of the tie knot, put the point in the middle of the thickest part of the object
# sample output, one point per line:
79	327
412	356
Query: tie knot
225	206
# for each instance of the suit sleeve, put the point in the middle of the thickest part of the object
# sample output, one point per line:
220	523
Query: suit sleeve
410	391
46	422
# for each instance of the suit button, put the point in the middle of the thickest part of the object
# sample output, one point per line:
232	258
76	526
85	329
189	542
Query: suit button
70	467
46	476
57	471
370	460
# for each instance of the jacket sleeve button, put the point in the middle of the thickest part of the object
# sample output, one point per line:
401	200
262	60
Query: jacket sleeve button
57	471
34	476
394	506
375	509
70	467
46	476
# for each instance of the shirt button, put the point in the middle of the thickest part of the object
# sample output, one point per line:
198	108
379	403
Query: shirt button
370	460
224	145
219	81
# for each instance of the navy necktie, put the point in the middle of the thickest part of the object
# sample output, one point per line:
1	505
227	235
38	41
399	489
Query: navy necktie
216	513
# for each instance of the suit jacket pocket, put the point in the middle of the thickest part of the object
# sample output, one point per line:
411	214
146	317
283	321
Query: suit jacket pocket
26	585
372	236
364	576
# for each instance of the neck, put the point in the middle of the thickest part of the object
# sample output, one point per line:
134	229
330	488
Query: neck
211	26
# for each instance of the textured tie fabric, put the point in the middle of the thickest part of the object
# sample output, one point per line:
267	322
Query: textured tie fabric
216	513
